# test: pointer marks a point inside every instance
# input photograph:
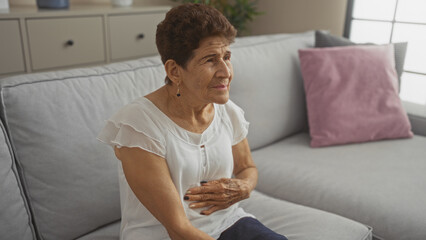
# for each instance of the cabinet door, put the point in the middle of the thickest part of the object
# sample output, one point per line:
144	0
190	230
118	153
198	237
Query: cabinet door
61	42
133	36
11	54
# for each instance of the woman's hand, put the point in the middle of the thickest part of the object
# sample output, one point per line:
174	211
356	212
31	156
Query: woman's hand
218	194
222	193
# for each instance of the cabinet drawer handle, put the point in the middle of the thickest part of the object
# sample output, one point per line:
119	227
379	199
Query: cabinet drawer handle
69	43
140	36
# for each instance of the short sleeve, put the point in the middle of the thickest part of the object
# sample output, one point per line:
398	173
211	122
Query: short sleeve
237	121
133	126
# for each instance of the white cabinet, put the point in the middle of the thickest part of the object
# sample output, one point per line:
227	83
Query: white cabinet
137	38
61	42
39	40
11	52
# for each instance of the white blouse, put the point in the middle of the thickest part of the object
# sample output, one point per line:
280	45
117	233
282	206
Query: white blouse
191	158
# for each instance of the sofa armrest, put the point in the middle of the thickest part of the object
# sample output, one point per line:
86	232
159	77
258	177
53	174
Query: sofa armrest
417	115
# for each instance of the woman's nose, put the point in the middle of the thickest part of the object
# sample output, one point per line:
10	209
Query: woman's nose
224	70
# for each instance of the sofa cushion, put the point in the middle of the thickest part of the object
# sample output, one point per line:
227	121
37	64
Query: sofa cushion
53	120
351	95
298	222
268	85
15	222
323	39
108	232
294	221
380	184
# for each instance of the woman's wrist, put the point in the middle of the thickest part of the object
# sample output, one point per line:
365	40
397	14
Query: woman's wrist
249	176
251	184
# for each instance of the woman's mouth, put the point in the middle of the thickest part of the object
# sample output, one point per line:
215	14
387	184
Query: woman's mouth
221	87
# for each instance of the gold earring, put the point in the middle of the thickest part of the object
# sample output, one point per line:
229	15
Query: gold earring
178	91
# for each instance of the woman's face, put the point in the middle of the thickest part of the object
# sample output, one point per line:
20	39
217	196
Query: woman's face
208	74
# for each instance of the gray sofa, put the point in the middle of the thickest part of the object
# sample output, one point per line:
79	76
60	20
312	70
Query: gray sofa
58	182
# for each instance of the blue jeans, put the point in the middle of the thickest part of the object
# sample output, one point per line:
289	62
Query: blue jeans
248	228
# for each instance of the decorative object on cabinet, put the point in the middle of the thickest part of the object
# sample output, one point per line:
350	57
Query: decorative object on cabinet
52	4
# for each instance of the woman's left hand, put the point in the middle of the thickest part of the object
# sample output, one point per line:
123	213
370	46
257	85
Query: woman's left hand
218	194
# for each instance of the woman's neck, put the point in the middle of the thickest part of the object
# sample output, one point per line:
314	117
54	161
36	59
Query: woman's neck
183	111
188	107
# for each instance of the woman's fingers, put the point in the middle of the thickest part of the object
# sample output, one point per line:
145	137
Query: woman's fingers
222	197
217	194
216	186
224	189
205	189
204	204
213	182
214	209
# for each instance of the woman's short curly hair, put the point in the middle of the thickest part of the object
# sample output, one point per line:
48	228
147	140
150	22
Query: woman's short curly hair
181	32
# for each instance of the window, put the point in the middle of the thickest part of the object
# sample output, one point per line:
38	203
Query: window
389	21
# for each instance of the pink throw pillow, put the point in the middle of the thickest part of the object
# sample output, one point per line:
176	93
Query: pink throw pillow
352	95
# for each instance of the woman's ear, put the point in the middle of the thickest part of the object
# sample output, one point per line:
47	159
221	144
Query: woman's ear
172	71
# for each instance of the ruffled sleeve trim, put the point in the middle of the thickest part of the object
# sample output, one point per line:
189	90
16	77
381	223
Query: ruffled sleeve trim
237	121
135	126
243	133
124	135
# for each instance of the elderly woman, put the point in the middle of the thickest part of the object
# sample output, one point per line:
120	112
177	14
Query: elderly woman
185	159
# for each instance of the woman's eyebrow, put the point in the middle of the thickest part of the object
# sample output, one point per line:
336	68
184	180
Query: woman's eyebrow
214	55
210	55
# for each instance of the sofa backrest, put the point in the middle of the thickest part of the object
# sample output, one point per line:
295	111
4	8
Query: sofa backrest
268	85
71	179
15	221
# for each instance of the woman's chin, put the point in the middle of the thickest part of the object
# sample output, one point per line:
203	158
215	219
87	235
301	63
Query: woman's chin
221	99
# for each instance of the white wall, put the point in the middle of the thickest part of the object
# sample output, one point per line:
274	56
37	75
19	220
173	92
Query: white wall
286	16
